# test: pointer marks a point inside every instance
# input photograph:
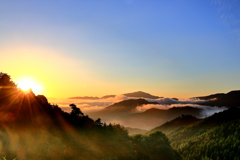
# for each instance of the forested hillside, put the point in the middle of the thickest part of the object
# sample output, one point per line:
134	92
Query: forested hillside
215	137
32	128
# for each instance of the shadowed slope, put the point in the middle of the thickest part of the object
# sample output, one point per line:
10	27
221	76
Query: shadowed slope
230	99
153	117
176	123
211	137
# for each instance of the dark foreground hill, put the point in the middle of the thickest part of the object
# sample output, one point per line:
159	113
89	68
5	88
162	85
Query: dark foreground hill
31	128
215	137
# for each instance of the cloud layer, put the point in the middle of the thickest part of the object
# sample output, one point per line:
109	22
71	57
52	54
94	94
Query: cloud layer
89	106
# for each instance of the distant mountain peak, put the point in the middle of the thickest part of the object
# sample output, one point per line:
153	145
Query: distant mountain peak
141	94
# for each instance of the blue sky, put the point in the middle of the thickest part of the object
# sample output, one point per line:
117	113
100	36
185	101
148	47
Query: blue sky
178	48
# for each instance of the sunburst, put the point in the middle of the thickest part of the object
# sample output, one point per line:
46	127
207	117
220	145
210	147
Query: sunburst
27	84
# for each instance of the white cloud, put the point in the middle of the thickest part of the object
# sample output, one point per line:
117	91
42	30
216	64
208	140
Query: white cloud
169	101
87	105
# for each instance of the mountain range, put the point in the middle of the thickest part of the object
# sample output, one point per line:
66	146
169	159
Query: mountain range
32	128
138	94
120	108
154	117
230	99
129	113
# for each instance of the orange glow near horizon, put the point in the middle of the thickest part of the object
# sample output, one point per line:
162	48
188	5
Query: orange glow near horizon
27	84
56	75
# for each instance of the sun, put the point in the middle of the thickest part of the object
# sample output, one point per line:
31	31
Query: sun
27	84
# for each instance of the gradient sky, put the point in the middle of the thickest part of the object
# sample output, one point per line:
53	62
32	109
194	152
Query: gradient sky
99	47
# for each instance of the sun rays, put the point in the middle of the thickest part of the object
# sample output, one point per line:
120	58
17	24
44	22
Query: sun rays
28	84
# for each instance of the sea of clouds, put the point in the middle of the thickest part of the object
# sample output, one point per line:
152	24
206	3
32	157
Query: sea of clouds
92	105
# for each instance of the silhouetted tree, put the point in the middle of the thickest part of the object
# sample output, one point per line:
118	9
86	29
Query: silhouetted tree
98	121
75	110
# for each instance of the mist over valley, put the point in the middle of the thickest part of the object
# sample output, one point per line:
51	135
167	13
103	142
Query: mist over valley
120	80
132	110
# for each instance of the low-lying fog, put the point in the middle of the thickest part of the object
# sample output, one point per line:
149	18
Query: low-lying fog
89	106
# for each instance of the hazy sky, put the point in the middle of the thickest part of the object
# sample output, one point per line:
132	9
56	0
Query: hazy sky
97	47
